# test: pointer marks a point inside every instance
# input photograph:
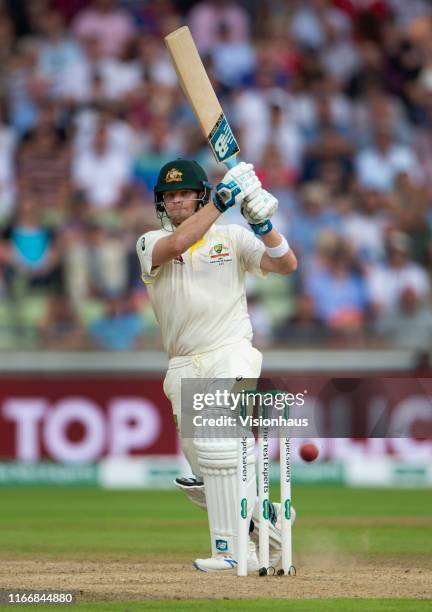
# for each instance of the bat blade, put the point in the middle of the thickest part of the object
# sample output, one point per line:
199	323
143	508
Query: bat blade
199	91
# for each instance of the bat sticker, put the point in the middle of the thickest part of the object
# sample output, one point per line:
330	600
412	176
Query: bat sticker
222	140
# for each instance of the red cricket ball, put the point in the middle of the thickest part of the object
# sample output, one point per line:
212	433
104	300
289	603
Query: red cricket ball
308	452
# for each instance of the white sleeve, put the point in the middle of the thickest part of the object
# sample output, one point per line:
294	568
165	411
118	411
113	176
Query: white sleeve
144	248
250	250
377	287
80	173
418	280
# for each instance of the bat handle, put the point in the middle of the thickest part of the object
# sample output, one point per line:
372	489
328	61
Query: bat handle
230	163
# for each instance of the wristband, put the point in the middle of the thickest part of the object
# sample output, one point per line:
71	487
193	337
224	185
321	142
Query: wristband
259	229
218	202
279	250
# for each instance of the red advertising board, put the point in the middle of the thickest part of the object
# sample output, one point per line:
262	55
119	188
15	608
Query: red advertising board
81	419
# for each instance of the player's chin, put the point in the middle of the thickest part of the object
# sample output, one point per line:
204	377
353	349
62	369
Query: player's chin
179	218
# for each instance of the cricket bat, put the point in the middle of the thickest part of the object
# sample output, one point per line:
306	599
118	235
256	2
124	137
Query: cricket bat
202	98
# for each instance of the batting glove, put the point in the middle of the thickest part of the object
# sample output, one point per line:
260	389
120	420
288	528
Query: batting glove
259	207
238	183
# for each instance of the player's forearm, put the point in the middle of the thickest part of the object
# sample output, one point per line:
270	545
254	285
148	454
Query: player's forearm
257	211
194	228
285	264
272	239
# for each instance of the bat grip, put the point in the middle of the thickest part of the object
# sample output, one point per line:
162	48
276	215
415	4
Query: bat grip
230	163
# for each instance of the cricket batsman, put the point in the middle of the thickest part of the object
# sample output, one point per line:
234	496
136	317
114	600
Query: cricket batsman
195	272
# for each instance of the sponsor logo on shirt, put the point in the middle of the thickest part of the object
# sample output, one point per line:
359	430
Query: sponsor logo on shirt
219	253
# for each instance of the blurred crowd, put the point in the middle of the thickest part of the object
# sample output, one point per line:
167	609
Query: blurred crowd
330	99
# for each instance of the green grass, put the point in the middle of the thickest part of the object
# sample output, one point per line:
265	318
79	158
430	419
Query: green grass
108	522
135	523
91	523
339	501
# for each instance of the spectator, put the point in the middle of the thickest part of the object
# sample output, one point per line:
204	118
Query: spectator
58	52
106	22
106	260
8	137
340	57
68	8
370	72
102	173
160	142
303	327
7	188
327	141
95	78
310	219
325	109
334	178
406	14
386	282
403	63
410	326
261	111
7	171
85	80
410	210
7	37
119	328
158	17
365	225
233	60
278	52
96	261
60	327
155	64
379	108
122	137
274	171
276	127
378	166
283	131
331	100
338	290
44	166
313	19
30	249
206	18
23	86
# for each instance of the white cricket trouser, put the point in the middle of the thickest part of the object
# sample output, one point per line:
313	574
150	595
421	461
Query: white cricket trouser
231	361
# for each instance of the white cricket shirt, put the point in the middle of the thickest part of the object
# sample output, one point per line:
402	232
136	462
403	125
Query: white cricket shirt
199	298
